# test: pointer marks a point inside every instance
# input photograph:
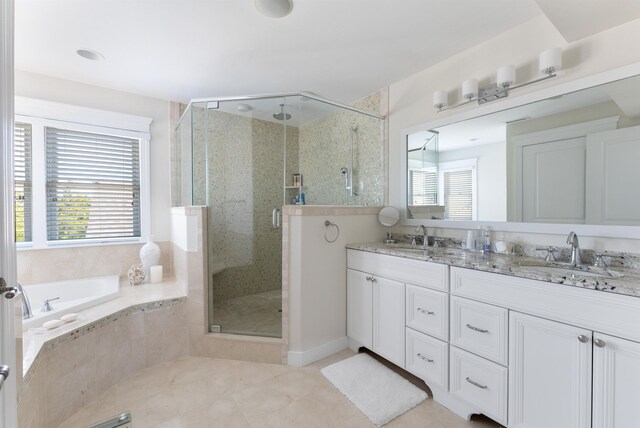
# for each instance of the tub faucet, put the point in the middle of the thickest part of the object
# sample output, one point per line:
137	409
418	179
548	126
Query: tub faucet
425	235
26	305
572	240
46	306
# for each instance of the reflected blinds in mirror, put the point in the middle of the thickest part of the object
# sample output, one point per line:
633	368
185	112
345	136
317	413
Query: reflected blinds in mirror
93	185
458	194
424	186
22	180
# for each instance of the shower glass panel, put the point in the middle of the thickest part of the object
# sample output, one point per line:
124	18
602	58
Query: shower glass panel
239	159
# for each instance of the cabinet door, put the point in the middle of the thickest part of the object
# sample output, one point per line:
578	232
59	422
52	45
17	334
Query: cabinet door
549	374
359	309
388	319
616	382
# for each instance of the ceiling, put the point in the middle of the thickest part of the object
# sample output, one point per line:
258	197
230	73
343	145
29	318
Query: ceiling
184	49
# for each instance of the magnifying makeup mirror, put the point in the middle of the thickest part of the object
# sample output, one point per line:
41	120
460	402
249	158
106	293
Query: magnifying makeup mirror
388	217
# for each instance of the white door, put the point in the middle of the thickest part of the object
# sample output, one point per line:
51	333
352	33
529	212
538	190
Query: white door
388	319
553	182
613	176
8	418
549	374
359	309
616	382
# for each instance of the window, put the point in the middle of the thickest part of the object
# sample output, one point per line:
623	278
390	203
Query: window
93	185
458	189
424	186
81	175
22	181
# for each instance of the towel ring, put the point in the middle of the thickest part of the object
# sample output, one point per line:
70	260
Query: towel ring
329	225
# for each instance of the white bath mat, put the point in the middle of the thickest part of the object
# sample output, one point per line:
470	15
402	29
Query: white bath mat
376	390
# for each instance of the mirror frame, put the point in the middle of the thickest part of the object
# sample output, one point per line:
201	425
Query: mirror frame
630	232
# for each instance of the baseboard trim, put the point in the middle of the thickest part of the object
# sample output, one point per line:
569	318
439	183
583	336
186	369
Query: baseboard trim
299	359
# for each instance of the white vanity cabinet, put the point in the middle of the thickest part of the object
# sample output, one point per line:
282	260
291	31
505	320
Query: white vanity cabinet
549	374
359	309
616	382
388	319
572	351
376	287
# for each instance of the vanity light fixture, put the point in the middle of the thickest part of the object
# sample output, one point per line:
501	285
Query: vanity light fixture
549	62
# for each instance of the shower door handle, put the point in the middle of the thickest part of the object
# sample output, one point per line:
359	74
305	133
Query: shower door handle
275	218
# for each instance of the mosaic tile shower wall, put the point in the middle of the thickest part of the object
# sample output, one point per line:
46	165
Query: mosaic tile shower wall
325	148
241	159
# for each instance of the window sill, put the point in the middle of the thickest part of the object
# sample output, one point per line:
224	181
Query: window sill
23	246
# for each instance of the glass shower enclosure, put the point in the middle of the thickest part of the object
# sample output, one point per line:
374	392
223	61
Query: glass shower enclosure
244	158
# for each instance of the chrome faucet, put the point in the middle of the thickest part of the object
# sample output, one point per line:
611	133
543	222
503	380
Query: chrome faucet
46	306
572	240
26	305
425	235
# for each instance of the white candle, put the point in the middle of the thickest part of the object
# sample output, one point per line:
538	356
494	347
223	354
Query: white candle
155	273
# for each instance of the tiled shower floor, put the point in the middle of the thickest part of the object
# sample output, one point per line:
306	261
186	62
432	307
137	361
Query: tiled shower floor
210	393
255	314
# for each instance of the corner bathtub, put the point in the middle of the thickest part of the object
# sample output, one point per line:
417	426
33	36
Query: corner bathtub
75	295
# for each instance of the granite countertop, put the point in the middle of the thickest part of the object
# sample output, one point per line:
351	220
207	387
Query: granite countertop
520	266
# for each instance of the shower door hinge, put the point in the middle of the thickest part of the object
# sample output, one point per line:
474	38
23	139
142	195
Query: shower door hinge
216	328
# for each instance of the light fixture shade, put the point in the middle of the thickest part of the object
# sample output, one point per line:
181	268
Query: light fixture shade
440	99
274	8
506	75
470	89
550	61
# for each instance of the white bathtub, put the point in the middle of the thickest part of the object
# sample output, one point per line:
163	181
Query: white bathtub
75	295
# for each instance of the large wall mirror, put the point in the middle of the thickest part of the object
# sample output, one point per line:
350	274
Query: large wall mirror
569	159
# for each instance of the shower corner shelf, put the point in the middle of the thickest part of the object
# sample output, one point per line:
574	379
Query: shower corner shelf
298	191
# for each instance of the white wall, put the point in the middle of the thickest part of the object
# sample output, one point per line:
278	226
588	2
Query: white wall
318	282
410	100
65	91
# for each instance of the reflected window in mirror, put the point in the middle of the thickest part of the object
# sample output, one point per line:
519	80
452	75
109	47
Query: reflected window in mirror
458	189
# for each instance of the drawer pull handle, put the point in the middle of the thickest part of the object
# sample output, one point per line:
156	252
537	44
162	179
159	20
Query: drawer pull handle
428	360
476	384
481	330
424	311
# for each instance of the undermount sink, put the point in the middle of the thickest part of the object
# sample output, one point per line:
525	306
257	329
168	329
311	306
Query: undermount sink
570	271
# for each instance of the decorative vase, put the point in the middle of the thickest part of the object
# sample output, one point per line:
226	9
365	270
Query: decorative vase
149	255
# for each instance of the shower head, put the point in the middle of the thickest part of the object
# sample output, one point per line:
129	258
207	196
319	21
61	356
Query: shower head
282	115
344	170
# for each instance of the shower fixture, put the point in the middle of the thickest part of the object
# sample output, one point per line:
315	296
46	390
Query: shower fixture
344	170
281	115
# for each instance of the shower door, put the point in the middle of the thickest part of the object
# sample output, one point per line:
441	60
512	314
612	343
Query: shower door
239	152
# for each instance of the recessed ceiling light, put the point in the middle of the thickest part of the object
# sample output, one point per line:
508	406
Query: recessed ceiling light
244	108
274	8
90	54
473	139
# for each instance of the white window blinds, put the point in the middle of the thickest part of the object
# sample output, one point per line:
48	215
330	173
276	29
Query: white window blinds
22	180
424	187
93	185
458	194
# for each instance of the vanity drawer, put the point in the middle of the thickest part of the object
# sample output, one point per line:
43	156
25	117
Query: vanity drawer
418	272
479	382
428	311
427	358
480	328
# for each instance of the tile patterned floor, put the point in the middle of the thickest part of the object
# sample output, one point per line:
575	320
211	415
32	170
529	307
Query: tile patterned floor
204	392
254	314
